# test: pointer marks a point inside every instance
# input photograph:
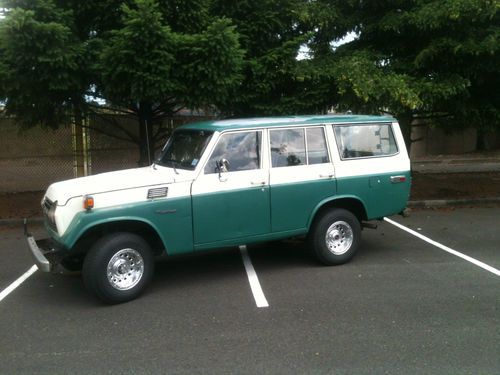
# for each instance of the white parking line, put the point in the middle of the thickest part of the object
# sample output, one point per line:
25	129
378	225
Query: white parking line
445	248
258	294
18	282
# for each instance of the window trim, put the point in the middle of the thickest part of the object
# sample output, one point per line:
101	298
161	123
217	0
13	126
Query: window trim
222	134
304	127
325	138
365	157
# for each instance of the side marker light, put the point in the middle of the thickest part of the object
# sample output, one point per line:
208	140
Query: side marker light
88	202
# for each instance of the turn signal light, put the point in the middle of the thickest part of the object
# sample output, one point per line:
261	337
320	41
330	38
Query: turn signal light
398	179
88	202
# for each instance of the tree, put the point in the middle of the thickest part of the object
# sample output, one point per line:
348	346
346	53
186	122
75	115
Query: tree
275	81
39	67
154	71
422	59
135	63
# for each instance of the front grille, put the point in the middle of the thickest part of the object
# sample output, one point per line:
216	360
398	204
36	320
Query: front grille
48	212
46	205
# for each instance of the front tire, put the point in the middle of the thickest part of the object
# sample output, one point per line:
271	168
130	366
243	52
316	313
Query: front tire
118	267
335	237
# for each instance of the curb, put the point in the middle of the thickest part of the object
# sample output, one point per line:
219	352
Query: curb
20	222
453	202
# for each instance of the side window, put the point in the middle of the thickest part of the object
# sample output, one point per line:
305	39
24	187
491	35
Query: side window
288	147
241	150
317	153
360	141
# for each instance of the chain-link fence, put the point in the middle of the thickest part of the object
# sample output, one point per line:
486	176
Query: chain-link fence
32	159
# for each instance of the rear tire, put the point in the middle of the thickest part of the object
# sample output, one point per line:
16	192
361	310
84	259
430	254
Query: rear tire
335	237
118	267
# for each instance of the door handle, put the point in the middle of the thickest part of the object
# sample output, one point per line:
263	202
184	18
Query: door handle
325	175
259	183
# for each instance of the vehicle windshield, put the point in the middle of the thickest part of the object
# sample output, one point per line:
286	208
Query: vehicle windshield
184	149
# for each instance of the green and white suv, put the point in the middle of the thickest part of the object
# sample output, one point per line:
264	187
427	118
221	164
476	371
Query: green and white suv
227	183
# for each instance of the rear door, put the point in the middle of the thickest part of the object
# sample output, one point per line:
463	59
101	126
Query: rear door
373	166
301	175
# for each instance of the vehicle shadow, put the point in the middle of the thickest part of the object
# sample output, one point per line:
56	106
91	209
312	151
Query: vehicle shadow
196	268
225	266
292	253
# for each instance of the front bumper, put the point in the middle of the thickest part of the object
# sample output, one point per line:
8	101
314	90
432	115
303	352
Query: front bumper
45	252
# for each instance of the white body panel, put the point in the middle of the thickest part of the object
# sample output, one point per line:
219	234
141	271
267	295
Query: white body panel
114	189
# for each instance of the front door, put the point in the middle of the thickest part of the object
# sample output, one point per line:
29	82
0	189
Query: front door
231	201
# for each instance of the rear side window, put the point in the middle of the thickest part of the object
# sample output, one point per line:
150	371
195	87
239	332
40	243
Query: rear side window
317	153
298	146
361	141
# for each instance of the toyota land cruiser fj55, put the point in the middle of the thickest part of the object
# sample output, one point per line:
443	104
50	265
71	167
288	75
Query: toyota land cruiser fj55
227	183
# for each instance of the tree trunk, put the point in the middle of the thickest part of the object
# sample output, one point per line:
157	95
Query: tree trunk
480	140
146	147
405	122
78	162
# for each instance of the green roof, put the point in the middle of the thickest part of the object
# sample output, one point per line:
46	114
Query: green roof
257	122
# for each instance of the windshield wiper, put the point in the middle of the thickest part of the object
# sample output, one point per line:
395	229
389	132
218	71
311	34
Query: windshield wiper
173	162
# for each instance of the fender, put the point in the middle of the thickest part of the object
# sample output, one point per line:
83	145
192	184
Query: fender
83	222
331	200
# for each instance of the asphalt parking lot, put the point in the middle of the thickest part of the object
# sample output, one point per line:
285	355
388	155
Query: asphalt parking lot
402	306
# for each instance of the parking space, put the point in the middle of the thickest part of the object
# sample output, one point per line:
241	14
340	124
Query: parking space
11	247
473	231
400	306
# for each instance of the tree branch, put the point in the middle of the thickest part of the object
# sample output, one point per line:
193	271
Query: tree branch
113	122
159	107
113	109
431	115
98	130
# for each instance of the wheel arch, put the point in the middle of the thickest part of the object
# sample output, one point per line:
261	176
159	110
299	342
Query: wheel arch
146	230
348	202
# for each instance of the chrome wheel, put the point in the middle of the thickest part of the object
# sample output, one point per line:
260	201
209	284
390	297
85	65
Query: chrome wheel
339	237
125	269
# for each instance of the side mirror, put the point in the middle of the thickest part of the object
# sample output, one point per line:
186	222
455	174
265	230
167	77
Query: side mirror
222	167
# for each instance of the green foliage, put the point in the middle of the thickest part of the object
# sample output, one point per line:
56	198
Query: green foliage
434	59
275	82
39	64
209	65
136	61
152	69
148	57
186	16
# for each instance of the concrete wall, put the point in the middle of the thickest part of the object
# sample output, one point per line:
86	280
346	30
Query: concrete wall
437	142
